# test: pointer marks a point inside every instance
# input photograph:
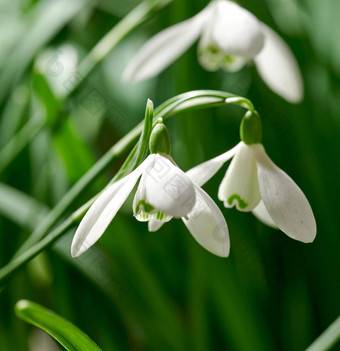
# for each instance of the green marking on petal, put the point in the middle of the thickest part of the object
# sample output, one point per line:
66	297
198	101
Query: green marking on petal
211	49
241	203
228	59
146	207
160	215
210	57
144	216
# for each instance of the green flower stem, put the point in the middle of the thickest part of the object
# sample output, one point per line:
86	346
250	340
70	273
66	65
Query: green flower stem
328	338
38	240
135	18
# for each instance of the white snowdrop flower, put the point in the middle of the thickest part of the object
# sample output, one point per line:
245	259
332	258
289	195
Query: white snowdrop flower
164	192
254	183
230	37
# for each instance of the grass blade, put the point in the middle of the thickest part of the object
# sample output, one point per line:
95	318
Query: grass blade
67	334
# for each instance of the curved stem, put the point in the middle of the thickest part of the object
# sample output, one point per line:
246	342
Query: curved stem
38	241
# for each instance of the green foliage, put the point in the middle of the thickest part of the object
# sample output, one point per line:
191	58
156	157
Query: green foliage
136	290
62	330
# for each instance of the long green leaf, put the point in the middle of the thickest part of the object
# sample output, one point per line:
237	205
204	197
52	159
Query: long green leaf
67	334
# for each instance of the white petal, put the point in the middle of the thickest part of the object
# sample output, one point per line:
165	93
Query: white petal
240	185
261	213
168	188
207	225
103	210
154	224
201	173
278	67
144	211
234	30
284	200
140	194
164	48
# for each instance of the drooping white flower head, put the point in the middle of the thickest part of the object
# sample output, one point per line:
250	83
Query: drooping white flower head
230	37
164	192
254	183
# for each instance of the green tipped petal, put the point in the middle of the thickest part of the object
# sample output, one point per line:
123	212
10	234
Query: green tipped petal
240	186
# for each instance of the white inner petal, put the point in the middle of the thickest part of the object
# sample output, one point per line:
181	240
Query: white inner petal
154	224
240	186
157	220
261	213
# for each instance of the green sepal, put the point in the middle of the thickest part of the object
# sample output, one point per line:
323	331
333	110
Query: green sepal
160	140
251	128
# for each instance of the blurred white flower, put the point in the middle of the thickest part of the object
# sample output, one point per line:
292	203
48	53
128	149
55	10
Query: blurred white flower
230	37
254	183
164	191
59	65
41	341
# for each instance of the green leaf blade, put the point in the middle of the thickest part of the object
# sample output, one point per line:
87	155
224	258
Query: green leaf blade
67	334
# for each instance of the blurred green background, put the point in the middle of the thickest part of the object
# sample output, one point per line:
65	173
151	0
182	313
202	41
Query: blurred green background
161	291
